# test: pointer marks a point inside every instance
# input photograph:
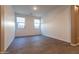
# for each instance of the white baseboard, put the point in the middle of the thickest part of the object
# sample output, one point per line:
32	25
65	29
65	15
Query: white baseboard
74	44
57	38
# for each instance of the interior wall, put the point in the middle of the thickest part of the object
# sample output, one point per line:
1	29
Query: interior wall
75	24
8	25
0	29
78	25
29	27
57	24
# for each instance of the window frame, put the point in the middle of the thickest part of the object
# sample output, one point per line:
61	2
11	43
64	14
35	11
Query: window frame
37	23
17	22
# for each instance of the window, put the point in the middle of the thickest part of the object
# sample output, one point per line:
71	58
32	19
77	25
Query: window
37	23
20	22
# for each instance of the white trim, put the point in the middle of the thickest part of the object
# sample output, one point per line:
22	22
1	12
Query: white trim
56	38
74	44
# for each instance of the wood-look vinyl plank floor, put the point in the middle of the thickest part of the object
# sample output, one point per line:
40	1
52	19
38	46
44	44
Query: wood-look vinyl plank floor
40	45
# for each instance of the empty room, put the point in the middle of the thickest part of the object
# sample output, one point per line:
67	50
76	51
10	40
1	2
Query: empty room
39	29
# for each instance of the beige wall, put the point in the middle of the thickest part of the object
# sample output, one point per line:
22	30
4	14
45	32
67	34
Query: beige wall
8	25
57	24
75	24
78	25
29	27
0	28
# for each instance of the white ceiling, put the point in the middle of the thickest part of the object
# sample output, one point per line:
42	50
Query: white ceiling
42	10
